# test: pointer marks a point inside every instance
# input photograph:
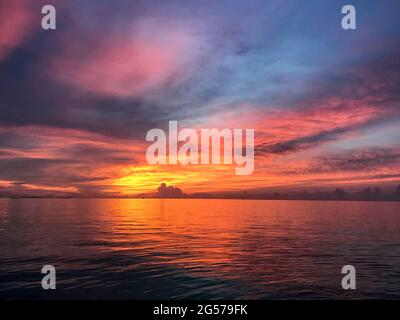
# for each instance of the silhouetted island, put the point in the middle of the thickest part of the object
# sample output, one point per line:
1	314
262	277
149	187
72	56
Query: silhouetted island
169	192
164	191
367	194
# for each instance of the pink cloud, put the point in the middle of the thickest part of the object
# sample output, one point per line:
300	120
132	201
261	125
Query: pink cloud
121	65
276	126
16	23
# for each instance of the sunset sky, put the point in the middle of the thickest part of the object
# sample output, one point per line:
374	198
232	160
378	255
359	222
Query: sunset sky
76	102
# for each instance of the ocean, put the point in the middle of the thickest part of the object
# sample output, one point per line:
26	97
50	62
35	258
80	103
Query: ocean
198	249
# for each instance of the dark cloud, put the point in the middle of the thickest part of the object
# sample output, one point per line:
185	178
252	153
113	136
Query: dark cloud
41	101
27	169
299	143
95	154
355	160
378	79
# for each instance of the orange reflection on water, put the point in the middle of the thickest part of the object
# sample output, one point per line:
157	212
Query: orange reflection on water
203	248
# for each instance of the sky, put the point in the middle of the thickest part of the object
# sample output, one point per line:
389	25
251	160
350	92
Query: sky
76	102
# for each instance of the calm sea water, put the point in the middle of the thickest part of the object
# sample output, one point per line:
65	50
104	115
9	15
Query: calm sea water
198	249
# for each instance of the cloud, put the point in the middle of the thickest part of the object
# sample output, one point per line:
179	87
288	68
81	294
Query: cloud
55	158
17	19
76	103
356	160
294	130
132	60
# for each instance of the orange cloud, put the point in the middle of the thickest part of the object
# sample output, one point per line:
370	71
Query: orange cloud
97	164
319	123
65	159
